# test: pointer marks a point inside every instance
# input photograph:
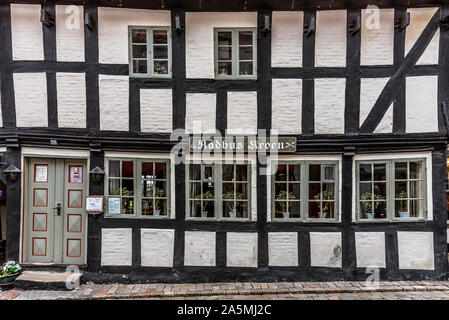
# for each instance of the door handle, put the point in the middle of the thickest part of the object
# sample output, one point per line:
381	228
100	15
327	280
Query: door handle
58	209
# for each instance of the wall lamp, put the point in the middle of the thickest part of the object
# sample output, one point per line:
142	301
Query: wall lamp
178	25
355	25
310	26
89	21
12	173
266	25
403	22
97	174
47	18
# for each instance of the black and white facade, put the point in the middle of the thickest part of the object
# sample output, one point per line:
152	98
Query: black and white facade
102	85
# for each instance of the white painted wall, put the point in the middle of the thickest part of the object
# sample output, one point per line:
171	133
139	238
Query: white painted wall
242	112
114	102
71	95
156	110
416	250
199	248
241	249
69	33
324	249
157	246
113	30
421	104
330	38
330	106
419	18
370	249
26	31
200	112
200	38
116	247
286	113
286	39
377	40
370	90
30	91
283	249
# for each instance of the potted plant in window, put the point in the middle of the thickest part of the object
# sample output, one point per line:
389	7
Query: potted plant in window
9	272
325	195
403	212
206	196
282	195
229	195
159	193
367	207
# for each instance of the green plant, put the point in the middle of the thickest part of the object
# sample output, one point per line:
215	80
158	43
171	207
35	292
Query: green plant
402	203
10	268
125	192
367	196
230	195
205	196
158	193
283	195
325	195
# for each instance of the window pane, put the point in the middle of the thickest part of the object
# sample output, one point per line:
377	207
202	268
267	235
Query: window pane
127	205
294	171
365	172
195	172
280	191
161	189
241	172
401	209
246	53
160	36
195	190
161	170
228	191
208	191
148	188
294	209
245	38
314	172
416	191
366	192
228	172
147	207
160	52
139	51
224	53
114	187
313	210
280	209
242	209
208	209
147	170
281	173
415	170
127	169
401	190
224	68
241	193
140	66
328	191
416	208
160	67
224	38
295	191
401	170
160	207
327	210
195	208
127	187
329	172
114	168
366	209
229	210
380	209
380	191
139	36
314	191
208	172
380	172
246	68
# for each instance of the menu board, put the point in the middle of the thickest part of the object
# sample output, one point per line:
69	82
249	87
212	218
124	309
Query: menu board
94	204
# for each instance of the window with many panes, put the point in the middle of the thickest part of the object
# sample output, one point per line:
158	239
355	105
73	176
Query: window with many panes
218	191
306	191
391	190
150	51
138	188
235	53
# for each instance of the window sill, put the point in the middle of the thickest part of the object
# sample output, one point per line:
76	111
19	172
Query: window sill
291	220
219	219
390	221
134	216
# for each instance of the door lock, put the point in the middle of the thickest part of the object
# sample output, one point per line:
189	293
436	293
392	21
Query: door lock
58	208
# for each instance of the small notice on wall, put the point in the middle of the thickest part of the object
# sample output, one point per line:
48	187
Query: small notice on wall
114	206
94	204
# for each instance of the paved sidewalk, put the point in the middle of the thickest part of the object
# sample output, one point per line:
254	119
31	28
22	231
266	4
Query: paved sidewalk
280	290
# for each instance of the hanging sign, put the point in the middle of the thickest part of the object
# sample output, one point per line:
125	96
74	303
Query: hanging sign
94	204
244	144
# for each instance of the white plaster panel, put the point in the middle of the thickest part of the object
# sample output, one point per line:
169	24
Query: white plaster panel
26	32
330	38
156	110
422	104
377	40
370	90
419	18
370	249
157	246
283	249
286	114
30	91
330	106
113	30
242	112
69	33
199	248
200	38
200	112
415	250
116	247
114	102
71	92
325	249
241	249
286	39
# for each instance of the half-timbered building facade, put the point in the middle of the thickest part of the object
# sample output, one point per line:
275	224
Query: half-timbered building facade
92	91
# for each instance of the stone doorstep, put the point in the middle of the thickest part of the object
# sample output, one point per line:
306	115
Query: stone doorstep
45	280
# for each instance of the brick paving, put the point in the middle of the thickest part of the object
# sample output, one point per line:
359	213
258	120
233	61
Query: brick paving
402	290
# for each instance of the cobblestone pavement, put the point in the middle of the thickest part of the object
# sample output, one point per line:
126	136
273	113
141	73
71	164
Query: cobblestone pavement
402	290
